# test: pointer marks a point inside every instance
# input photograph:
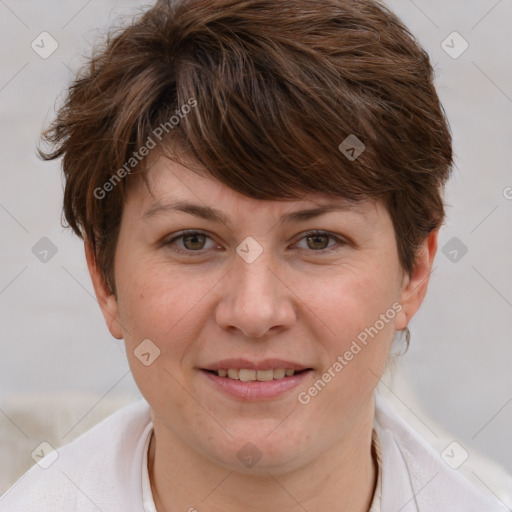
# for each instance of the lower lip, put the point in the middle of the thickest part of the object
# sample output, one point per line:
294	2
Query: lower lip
256	390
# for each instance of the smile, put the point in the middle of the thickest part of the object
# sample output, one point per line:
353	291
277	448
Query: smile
255	385
247	375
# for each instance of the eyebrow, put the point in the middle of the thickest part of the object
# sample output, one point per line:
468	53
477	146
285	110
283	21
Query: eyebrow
209	213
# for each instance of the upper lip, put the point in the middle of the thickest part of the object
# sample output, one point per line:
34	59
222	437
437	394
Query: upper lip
266	364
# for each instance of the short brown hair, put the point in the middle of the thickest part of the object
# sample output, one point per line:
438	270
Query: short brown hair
278	85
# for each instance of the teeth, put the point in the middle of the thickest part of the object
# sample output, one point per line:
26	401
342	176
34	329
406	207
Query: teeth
263	375
246	375
233	374
279	373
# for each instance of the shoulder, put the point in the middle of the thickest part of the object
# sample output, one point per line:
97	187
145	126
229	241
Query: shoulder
95	471
424	481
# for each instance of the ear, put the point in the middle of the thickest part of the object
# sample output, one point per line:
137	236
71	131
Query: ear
106	299
414	287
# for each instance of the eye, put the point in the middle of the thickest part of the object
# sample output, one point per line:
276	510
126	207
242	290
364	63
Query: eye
317	240
193	242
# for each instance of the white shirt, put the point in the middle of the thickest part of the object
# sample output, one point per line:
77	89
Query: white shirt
106	469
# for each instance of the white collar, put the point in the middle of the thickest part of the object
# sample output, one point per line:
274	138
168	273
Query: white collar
377	496
147	495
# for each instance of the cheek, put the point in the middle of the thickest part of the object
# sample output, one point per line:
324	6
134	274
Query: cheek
159	305
355	319
347	303
156	299
166	306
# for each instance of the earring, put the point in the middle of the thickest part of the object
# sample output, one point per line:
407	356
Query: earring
407	336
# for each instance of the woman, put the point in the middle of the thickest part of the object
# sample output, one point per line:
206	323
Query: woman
259	190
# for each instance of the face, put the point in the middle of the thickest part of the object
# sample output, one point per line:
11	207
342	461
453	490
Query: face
253	293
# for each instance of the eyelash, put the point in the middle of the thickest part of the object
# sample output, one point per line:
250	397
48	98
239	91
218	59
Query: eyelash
201	252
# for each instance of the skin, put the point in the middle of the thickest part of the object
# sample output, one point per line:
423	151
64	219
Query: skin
299	301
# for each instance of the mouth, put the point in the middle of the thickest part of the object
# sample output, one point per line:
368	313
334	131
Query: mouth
245	380
251	375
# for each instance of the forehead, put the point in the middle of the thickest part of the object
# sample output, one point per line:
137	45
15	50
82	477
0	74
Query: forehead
188	187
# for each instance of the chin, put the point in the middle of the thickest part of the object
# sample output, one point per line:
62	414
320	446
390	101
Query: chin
258	455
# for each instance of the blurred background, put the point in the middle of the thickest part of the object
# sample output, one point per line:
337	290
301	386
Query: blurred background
55	346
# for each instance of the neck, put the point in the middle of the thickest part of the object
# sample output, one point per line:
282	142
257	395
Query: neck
342	478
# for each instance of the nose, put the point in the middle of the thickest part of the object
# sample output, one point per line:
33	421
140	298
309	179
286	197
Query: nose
255	298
